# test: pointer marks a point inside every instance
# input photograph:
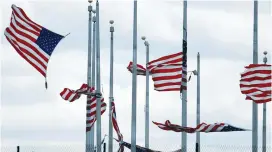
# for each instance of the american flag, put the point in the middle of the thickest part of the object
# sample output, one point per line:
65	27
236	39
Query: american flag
256	83
32	42
184	67
203	127
72	95
166	72
140	69
114	121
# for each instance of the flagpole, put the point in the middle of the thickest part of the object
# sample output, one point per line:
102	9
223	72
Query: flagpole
98	100
146	95
134	80
264	113
93	75
89	70
198	103
111	87
255	61
184	91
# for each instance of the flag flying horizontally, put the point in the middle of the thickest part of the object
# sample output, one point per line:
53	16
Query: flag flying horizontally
72	95
256	82
165	71
32	42
140	69
203	127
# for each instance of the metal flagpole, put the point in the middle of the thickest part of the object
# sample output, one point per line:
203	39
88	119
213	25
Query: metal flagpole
264	113
146	95
98	102
184	91
255	61
198	103
111	87
134	80
93	75
89	79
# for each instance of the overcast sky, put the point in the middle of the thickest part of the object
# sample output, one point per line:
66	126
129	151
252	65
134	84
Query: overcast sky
221	31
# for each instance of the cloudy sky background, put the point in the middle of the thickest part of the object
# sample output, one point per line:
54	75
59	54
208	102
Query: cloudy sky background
222	32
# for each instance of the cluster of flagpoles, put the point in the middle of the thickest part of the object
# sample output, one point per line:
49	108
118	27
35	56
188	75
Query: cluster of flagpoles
93	79
94	60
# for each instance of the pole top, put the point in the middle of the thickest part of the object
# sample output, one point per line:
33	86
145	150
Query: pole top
111	21
90	1
143	37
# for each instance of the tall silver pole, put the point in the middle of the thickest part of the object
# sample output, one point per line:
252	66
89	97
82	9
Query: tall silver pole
98	102
255	61
111	87
264	113
198	103
146	96
89	70
134	81
184	92
93	75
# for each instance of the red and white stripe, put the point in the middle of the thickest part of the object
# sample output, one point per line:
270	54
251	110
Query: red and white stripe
22	35
173	127
140	69
72	95
114	122
256	83
203	127
167	72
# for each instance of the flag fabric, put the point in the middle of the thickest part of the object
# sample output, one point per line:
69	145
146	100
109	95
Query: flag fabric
166	72
184	67
32	41
173	127
256	83
203	127
72	95
140	69
141	149
116	126
138	148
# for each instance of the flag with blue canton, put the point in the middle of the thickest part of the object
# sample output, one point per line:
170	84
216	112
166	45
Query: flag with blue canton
33	42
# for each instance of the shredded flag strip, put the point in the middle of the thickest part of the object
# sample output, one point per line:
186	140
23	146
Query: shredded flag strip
32	42
203	127
115	124
256	83
72	95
